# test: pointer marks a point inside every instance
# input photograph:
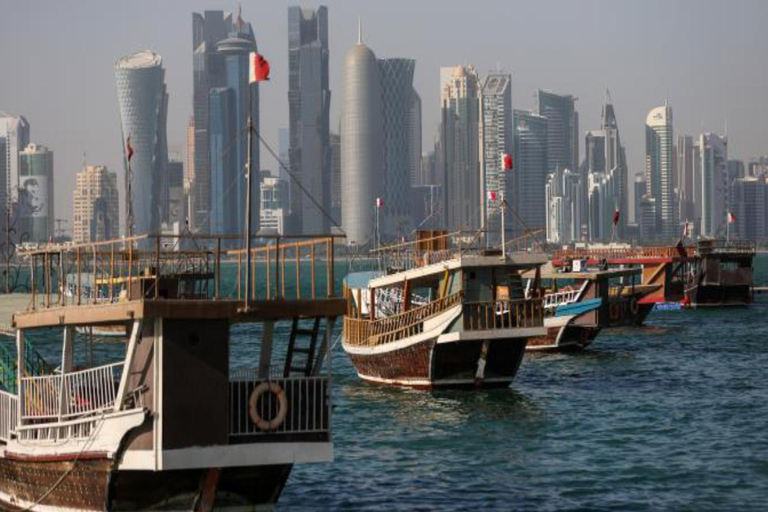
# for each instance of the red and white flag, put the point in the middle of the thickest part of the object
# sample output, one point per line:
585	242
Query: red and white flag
616	216
506	160
731	218
128	148
492	195
258	70
379	202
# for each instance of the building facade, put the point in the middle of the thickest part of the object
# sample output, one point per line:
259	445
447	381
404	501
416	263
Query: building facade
460	144
714	183
35	194
96	205
562	129
751	209
14	138
497	137
221	44
309	103
659	178
143	103
530	170
274	205
362	161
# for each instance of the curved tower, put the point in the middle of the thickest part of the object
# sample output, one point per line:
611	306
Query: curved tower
361	144
143	104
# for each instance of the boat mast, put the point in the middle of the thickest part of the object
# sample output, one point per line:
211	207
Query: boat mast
248	200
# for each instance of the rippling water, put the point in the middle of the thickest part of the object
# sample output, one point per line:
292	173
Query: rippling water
671	416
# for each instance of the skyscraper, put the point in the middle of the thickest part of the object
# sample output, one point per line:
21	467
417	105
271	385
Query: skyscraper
396	77
714	183
36	211
751	211
639	192
605	156
226	176
361	144
497	137
143	102
686	178
460	144
177	204
563	201
96	205
413	121
530	169
336	177
659	177
14	137
562	129
221	43
309	101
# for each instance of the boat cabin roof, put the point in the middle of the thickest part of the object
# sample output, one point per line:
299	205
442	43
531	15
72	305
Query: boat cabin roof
516	261
549	272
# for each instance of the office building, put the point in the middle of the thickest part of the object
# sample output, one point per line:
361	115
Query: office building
751	210
659	139
177	199
336	178
309	101
14	138
362	162
96	205
497	137
714	183
530	170
143	102
35	194
274	204
459	140
563	203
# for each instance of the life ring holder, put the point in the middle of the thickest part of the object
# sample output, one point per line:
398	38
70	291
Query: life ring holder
282	408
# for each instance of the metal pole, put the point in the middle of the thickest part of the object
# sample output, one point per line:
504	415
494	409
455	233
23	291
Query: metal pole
503	228
248	199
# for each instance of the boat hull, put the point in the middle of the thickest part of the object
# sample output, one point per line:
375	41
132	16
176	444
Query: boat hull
91	483
718	295
435	363
563	335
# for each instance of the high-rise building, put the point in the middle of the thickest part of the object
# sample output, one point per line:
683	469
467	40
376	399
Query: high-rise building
751	208
530	169
756	166
309	102
396	77
497	137
563	193
189	178
14	137
96	205
714	183
177	199
362	163
413	122
562	129
639	192
460	99
659	178
225	174
336	177
36	213
221	43
606	156
274	204
143	102
686	178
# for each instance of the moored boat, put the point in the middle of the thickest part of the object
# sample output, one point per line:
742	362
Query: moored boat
450	318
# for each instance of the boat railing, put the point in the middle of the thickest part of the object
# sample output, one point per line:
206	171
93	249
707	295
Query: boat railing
623	253
396	327
191	267
262	407
9	411
552	300
69	395
503	314
726	247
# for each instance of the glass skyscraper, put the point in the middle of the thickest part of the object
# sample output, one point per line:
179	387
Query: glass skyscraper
309	102
36	212
530	169
659	177
143	102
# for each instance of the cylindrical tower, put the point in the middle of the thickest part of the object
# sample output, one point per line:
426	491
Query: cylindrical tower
361	145
142	98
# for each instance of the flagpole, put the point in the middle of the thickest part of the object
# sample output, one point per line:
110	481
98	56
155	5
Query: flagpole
503	227
129	193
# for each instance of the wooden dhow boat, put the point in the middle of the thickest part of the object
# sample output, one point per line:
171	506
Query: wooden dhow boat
443	317
202	407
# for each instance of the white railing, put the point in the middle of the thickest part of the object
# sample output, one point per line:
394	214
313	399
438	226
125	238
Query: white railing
8	415
56	397
552	300
304	405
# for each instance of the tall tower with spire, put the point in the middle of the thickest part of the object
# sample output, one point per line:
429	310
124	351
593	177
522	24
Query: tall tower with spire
361	143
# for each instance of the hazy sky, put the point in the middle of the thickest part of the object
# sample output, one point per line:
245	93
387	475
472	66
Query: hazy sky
708	58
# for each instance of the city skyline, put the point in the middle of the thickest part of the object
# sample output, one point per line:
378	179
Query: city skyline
79	115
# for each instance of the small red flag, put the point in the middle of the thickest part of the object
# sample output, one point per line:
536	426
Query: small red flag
731	218
492	195
507	159
379	202
259	68
616	216
129	148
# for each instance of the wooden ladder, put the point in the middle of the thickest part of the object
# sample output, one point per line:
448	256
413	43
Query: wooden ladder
308	350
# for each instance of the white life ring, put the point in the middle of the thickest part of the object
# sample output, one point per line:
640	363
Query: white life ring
282	408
